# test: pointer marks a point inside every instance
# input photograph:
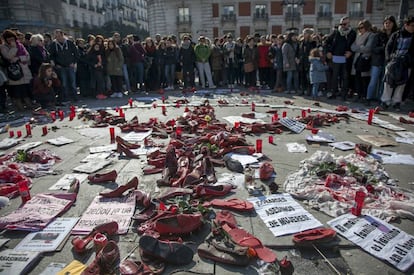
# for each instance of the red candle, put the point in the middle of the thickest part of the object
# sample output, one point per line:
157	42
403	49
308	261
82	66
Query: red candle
253	107
19	134
370	116
164	110
121	112
28	130
112	134
237	124
284	114
130	102
359	203
271	139
275	117
53	115
303	113
61	114
309	110
315	131
11	133
72	108
44	130
71	116
163	99
154	105
177	105
259	144
178	131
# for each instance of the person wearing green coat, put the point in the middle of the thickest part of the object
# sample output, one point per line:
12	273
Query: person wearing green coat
202	52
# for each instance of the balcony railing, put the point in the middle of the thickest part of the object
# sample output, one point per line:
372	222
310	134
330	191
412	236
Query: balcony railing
83	5
356	14
228	18
260	16
184	19
325	14
292	16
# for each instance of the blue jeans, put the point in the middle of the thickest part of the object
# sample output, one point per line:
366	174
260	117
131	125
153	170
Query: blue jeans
292	76
170	74
139	73
315	89
126	77
67	76
373	83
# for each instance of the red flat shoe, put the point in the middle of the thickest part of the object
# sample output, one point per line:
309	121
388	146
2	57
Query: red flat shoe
106	260
80	244
212	190
158	162
132	184
104	177
178	224
127	144
309	237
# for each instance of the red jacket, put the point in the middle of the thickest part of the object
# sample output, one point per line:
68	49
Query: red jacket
264	61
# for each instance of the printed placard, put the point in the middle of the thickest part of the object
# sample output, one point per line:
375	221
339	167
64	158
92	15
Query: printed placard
283	215
378	238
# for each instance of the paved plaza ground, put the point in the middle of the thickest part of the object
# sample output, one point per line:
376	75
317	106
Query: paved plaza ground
344	256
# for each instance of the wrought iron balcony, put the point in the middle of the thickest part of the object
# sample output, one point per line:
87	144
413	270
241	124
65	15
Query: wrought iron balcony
356	14
184	20
261	16
292	16
324	15
228	18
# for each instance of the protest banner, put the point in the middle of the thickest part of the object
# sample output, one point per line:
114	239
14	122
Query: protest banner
103	210
378	238
38	212
283	215
49	238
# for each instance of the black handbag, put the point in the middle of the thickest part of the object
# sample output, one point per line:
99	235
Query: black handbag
14	71
363	63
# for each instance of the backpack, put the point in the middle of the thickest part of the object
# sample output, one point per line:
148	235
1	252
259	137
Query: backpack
396	71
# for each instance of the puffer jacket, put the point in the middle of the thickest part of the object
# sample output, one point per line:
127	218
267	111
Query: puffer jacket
317	70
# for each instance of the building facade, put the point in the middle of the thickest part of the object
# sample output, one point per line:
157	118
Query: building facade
240	17
71	15
31	15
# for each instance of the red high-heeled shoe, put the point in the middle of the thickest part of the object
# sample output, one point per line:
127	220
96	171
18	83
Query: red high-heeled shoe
127	144
133	183
80	244
122	149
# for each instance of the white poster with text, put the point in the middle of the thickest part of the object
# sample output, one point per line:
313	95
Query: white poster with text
377	238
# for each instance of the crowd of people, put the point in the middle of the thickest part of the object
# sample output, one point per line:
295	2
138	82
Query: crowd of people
363	62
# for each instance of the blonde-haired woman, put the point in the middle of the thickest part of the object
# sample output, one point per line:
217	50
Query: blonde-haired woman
362	47
38	53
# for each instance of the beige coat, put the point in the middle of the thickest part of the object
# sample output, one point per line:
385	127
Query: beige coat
9	53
